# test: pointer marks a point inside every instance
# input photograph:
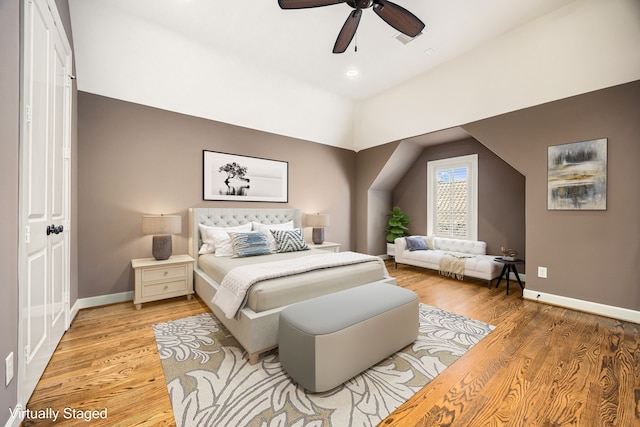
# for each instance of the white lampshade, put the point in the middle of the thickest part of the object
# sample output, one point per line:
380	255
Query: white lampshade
318	220
161	224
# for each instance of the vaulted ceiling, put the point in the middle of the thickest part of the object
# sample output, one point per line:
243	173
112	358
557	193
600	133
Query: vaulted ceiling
252	64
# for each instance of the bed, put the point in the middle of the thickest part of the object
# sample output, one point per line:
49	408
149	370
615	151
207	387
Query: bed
255	324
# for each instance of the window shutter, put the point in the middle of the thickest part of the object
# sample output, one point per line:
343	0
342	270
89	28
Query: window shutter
451	197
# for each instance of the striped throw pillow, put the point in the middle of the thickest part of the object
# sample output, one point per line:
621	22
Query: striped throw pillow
249	244
290	240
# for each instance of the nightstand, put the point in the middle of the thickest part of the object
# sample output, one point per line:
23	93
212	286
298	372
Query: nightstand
156	280
327	246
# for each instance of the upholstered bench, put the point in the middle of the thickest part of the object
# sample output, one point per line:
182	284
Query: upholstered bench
327	340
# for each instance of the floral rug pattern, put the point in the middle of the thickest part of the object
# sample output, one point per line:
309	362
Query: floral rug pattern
211	382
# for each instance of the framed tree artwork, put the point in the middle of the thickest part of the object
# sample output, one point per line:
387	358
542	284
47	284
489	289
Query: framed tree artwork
232	177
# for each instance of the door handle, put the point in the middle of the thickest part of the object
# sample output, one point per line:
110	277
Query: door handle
53	229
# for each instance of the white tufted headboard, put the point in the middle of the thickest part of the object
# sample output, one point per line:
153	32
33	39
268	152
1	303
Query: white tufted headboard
228	217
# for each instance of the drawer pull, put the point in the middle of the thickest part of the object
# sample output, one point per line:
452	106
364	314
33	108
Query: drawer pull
166	272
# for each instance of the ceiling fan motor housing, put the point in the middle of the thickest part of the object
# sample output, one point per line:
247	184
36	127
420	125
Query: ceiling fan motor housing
360	4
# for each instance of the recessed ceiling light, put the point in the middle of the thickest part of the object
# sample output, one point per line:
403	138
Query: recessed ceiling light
429	51
352	72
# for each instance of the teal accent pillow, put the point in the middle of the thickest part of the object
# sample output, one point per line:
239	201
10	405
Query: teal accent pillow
290	240
249	244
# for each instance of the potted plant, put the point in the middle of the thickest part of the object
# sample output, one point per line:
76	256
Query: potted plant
396	227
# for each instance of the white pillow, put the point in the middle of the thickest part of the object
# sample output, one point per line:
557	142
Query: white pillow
266	229
208	236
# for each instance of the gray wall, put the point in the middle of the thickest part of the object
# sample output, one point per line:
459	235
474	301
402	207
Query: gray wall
590	255
9	139
135	160
369	164
500	195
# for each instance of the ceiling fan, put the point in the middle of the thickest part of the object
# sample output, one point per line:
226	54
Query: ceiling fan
396	16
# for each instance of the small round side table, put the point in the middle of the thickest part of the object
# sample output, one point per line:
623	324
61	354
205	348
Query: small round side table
509	266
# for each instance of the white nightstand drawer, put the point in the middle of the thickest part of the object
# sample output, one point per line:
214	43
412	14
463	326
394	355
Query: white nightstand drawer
164	273
160	279
327	246
155	289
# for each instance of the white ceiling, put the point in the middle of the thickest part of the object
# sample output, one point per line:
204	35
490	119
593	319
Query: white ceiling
298	43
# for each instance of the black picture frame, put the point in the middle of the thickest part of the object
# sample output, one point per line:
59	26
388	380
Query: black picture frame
233	177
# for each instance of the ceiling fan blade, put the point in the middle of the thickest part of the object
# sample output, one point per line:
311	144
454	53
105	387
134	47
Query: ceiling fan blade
348	31
398	17
303	4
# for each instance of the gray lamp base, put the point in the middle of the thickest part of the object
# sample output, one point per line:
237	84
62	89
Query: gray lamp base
317	236
161	249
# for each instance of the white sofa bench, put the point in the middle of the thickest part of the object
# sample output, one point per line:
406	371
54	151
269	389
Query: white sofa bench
443	252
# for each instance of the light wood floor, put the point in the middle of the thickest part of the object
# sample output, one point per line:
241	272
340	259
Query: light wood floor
542	366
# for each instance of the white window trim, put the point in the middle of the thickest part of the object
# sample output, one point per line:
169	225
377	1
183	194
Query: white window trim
470	162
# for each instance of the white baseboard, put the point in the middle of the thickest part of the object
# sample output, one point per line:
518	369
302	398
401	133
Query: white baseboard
74	311
586	306
16	416
100	300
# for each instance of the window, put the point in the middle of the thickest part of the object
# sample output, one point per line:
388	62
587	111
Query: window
452	194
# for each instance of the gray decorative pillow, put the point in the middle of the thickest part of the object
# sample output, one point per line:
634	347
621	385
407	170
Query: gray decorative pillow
249	244
416	243
290	240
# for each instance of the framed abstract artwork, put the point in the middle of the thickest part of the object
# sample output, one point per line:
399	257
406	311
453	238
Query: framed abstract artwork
577	176
232	177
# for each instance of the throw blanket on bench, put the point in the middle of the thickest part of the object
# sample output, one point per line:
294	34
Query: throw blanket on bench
452	265
233	289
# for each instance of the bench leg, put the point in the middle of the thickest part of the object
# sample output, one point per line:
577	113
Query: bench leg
254	358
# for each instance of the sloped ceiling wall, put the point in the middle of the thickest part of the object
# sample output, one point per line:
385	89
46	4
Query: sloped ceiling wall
584	46
144	63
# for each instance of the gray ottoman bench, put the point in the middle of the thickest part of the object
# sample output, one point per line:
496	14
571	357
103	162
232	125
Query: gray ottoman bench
327	340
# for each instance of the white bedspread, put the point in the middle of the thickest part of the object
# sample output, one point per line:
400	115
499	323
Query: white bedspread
237	282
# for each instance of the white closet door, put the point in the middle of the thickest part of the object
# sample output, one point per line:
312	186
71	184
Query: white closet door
45	189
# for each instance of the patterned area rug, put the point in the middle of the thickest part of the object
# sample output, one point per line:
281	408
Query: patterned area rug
211	383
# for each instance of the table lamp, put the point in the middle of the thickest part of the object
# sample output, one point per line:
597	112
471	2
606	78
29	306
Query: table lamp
161	227
318	222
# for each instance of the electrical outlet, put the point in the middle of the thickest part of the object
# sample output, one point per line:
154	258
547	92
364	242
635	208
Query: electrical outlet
542	272
8	369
